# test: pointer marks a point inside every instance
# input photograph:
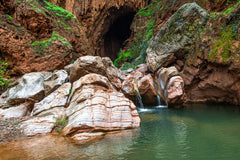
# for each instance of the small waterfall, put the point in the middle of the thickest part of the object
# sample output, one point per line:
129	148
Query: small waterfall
160	105
159	100
139	98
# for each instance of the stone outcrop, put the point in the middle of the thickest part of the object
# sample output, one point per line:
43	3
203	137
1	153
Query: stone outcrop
170	85
207	59
33	38
95	105
177	33
56	99
16	111
28	88
95	64
140	79
54	81
38	125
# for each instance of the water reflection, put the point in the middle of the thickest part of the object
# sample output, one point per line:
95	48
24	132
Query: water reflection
183	134
56	147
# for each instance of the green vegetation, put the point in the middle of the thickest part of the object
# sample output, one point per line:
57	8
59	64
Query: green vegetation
60	124
145	11
36	8
70	91
5	81
41	45
135	52
60	12
10	17
64	24
150	25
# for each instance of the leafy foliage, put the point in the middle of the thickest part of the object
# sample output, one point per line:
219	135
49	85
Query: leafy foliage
60	124
135	51
41	45
60	12
5	81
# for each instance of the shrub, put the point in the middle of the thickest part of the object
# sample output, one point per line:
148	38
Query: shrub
60	124
5	81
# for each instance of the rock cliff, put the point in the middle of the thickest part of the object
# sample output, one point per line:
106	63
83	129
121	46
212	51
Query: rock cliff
39	36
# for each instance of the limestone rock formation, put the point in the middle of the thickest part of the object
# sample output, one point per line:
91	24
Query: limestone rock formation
56	99
17	111
95	105
38	125
57	79
178	32
29	88
95	64
140	79
170	85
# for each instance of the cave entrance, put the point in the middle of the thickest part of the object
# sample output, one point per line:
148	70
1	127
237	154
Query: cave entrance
118	32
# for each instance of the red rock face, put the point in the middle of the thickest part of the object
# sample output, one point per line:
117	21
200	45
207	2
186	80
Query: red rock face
212	82
98	16
33	38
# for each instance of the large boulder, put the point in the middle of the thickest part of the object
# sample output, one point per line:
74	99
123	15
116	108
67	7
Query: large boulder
17	111
94	105
29	88
56	99
95	64
176	34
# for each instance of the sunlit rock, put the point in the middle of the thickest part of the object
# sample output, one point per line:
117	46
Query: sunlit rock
95	105
57	79
56	99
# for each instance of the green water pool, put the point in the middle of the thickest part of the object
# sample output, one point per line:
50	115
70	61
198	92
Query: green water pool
199	132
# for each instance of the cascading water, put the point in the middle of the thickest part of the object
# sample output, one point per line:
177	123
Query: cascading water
159	100
160	105
159	91
139	98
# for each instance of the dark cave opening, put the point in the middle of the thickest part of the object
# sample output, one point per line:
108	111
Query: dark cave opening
119	31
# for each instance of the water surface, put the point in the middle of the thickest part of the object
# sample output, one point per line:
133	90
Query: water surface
195	133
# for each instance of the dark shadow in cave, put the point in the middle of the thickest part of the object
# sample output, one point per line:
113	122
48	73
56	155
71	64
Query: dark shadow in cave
118	32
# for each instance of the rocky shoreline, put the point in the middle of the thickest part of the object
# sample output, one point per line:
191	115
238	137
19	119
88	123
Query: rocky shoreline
91	97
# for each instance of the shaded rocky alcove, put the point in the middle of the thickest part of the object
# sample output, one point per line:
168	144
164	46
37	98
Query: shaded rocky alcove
118	32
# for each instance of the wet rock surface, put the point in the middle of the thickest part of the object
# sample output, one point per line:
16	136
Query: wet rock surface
170	85
140	79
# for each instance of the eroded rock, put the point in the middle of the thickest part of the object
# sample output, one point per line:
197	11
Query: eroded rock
29	88
95	105
57	79
143	81
43	123
56	99
174	36
17	111
170	85
95	64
